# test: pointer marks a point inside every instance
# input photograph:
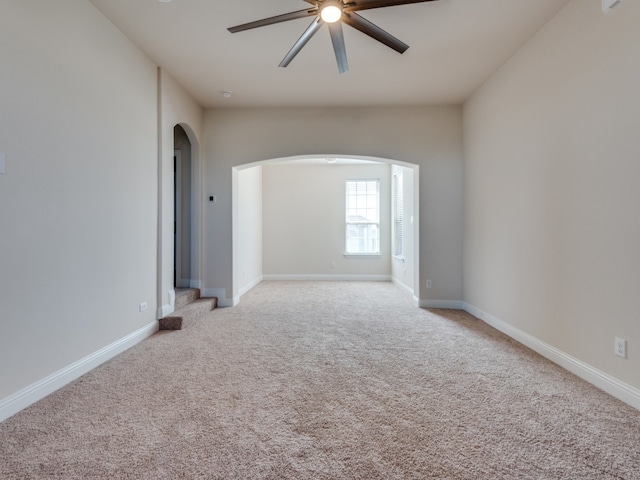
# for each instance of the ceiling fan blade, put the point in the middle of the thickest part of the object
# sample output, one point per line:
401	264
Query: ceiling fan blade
302	41
337	38
365	26
355	5
277	19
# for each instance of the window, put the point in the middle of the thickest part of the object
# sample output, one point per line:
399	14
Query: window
363	217
398	215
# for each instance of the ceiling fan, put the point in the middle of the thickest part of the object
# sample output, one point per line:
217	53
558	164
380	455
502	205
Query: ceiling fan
335	13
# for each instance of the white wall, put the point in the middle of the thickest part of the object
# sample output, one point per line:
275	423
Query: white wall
304	215
430	137
177	107
551	188
78	219
248	230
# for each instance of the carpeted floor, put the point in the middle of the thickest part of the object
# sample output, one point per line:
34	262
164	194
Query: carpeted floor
323	380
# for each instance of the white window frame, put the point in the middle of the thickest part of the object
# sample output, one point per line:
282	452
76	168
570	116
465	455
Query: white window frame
397	214
349	253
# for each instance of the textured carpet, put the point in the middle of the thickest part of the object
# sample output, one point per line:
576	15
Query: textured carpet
322	380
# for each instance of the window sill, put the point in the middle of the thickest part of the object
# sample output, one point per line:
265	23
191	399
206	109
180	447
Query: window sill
398	258
362	255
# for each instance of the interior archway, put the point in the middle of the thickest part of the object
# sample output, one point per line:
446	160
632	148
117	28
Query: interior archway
249	244
187	194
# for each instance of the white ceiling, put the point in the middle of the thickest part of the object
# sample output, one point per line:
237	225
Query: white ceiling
454	46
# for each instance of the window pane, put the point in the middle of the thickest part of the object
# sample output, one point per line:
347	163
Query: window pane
362	216
362	238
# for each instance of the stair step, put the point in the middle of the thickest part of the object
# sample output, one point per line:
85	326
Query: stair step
191	311
184	296
170	323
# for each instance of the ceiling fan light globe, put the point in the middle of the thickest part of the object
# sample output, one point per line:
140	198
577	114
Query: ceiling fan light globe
331	13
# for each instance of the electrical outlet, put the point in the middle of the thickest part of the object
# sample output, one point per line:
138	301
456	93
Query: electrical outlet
143	306
428	283
620	347
333	264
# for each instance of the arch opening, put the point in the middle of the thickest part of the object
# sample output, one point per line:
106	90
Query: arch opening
187	212
288	221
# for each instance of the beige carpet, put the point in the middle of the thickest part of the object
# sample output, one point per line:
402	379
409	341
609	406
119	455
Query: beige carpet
325	380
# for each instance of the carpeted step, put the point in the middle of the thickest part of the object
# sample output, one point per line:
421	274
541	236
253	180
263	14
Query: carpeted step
191	311
184	296
172	322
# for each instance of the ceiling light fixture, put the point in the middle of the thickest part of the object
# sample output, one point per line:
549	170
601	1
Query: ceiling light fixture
226	94
331	11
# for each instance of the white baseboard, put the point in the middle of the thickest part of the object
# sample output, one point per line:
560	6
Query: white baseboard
221	295
168	308
406	289
40	389
604	381
450	304
402	286
250	285
165	310
330	278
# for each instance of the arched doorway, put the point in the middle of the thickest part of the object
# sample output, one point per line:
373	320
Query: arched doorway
186	181
251	238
